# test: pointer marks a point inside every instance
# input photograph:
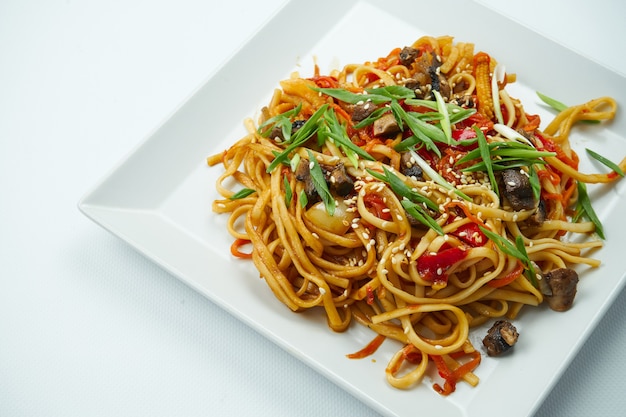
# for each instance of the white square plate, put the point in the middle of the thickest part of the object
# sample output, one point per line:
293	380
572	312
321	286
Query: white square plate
159	198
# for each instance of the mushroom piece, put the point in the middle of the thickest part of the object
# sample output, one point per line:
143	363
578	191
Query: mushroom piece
362	110
386	125
410	168
517	189
539	216
500	338
277	131
340	182
562	283
408	55
303	173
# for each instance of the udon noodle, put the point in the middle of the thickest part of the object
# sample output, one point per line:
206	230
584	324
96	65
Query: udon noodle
386	193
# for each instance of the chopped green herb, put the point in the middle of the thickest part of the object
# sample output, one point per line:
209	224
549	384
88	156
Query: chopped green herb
294	162
555	104
433	175
319	181
288	191
584	209
423	131
535	184
419	214
517	250
243	193
606	162
283	120
445	120
558	106
504	155
375	95
331	128
308	129
376	114
303	199
485	154
393	92
401	189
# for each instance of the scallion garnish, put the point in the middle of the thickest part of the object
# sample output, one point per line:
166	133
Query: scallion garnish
303	199
308	129
435	177
413	202
517	250
445	119
559	106
511	134
485	154
533	180
282	120
585	209
375	95
401	189
555	104
606	162
288	191
294	162
376	114
504	155
426	133
331	128
419	214
319	181
243	193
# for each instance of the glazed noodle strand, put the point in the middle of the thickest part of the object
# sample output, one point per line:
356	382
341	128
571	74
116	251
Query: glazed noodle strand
413	195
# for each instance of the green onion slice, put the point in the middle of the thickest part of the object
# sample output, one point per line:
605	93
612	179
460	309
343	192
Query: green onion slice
606	162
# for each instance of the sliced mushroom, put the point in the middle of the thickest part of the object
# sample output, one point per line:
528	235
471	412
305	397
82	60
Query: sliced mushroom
277	131
539	216
409	168
386	125
501	337
361	111
303	173
340	182
517	189
562	284
408	55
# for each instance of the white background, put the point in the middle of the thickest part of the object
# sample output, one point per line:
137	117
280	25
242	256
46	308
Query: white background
88	326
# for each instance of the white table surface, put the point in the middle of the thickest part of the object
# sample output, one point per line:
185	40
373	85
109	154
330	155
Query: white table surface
89	327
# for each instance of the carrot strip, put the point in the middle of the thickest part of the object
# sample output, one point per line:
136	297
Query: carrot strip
234	249
508	278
